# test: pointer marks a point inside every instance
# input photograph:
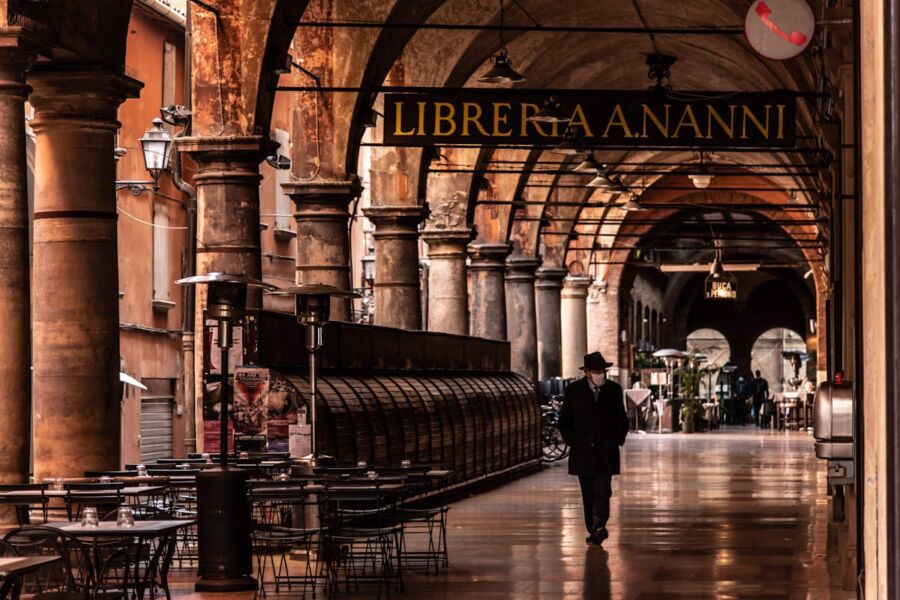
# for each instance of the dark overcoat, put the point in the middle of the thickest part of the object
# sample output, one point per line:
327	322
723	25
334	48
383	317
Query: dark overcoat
593	428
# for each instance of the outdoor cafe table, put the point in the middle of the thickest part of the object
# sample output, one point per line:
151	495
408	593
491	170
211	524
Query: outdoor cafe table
128	492
12	568
140	532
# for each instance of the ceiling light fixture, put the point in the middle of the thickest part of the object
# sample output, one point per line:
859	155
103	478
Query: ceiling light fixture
720	285
589	165
501	72
569	146
601	181
633	204
702	179
550	112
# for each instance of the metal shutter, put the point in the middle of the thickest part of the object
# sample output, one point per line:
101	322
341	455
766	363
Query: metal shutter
156	428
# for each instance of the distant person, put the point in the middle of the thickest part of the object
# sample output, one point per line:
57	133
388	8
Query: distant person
759	387
594	424
739	400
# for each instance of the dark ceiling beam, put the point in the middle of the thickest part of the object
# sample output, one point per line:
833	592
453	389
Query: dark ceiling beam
690	30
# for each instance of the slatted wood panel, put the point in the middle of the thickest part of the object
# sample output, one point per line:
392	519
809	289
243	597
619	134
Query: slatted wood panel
472	423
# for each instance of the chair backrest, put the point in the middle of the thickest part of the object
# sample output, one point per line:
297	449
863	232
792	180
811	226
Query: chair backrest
73	573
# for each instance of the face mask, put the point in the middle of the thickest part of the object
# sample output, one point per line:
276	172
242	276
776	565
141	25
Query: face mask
598	378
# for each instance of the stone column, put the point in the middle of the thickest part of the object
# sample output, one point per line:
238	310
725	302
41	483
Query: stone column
227	182
488	267
448	298
75	305
546	290
397	300
323	241
15	369
520	314
574	324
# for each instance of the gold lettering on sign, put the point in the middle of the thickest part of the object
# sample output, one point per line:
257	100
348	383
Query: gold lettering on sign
617	119
748	114
472	119
663	128
688	120
440	118
579	120
780	121
713	114
398	109
528	111
501	119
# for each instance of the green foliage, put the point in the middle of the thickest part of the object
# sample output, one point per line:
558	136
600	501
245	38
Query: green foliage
689	377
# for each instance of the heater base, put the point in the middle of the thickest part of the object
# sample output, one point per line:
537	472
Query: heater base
225	584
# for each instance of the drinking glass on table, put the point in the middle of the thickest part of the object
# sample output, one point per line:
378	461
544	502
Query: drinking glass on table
283	477
206	458
405	464
125	517
105	479
361	464
372	474
59	484
141	470
89	517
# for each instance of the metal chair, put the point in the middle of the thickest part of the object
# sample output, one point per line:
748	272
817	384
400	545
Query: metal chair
32	499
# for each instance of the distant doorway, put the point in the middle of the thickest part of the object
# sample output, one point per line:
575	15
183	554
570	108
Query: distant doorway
713	345
768	357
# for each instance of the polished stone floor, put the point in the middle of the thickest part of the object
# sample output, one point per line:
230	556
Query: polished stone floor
734	514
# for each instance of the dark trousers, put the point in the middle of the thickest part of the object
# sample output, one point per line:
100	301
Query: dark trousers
596	490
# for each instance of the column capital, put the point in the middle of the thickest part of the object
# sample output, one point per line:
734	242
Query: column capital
575	286
323	190
521	268
550	277
84	94
18	49
446	243
488	256
252	147
395	220
597	289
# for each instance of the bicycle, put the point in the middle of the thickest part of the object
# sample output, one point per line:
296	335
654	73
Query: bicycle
553	446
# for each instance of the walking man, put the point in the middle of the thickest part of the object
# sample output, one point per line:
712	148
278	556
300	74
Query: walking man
594	424
760	389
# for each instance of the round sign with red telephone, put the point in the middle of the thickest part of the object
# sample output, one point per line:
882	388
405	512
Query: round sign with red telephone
779	29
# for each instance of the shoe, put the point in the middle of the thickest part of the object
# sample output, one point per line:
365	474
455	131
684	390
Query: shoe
598	536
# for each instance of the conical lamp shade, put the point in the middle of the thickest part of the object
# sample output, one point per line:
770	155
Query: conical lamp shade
550	112
588	165
600	181
633	205
568	147
501	71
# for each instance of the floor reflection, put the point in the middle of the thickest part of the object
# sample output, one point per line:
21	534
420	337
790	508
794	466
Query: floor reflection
735	514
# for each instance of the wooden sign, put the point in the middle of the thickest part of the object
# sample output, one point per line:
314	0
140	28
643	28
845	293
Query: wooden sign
596	119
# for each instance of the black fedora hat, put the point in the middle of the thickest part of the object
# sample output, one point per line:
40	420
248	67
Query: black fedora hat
595	362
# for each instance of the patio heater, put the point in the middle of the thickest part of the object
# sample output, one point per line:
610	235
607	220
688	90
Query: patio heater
312	307
223	512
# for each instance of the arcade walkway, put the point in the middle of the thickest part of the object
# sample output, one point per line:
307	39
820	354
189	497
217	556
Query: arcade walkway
739	514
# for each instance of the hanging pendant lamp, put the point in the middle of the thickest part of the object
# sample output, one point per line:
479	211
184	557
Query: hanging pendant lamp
633	204
720	285
502	71
588	165
550	112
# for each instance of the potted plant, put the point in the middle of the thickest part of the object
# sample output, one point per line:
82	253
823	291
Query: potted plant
689	377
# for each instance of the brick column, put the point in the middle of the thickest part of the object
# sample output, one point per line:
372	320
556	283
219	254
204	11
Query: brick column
520	314
323	241
227	182
397	294
573	311
547	318
15	344
603	322
448	300
77	394
488	267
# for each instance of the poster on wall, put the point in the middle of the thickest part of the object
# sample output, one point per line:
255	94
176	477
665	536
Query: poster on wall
282	414
211	437
251	386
